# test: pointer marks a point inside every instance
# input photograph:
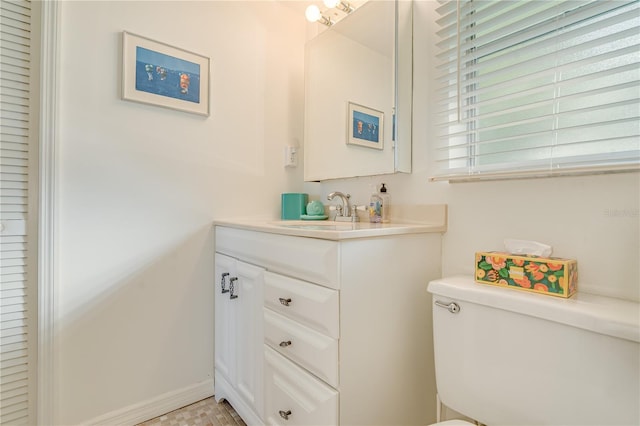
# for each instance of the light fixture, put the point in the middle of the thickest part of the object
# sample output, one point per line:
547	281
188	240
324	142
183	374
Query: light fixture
313	15
338	4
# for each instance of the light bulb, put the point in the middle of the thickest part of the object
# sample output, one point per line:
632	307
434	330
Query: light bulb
339	4
312	13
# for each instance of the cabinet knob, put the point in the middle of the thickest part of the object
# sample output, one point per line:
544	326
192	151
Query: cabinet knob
285	414
284	344
224	277
284	301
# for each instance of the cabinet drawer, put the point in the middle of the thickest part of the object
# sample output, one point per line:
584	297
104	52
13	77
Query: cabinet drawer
295	397
308	348
310	259
310	304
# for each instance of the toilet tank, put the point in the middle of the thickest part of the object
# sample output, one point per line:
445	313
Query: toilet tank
513	358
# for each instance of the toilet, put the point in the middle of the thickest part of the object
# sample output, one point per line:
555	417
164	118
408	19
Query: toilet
507	357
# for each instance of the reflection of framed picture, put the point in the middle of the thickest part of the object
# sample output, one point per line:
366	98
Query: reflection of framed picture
365	126
158	74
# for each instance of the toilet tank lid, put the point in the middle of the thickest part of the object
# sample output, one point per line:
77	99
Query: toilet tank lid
600	314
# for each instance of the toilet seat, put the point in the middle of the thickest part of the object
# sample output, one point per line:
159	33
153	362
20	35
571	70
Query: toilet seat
454	422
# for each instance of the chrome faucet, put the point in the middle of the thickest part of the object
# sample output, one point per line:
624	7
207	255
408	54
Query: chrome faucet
343	211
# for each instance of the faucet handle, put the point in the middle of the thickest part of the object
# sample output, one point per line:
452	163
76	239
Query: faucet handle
354	214
337	208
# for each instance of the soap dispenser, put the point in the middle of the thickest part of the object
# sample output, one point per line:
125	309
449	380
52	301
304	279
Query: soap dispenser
375	206
386	205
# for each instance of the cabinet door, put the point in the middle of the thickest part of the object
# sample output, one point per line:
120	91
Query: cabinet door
225	336
246	296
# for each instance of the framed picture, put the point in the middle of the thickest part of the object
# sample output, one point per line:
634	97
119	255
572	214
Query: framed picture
365	126
158	74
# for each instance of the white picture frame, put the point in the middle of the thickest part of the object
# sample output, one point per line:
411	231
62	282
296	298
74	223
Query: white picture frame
159	74
365	126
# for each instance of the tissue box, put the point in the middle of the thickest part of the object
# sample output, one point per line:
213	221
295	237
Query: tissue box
545	275
294	205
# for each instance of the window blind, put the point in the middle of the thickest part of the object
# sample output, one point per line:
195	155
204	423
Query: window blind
15	70
537	88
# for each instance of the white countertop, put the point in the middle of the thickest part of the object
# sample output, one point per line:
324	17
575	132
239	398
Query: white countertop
331	230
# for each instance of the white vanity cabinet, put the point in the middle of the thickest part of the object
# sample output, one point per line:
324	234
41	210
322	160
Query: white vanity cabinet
345	326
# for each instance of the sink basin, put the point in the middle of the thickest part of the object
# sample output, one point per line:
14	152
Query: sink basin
321	225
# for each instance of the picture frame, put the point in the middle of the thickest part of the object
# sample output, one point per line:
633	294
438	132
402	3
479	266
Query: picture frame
159	74
365	126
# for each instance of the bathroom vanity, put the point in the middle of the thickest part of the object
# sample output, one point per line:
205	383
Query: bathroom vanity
325	323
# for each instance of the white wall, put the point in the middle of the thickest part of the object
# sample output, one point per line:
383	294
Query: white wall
139	186
593	219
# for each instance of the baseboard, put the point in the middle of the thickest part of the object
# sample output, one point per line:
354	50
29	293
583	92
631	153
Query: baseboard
155	407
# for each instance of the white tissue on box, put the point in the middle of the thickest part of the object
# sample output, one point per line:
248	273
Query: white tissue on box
525	247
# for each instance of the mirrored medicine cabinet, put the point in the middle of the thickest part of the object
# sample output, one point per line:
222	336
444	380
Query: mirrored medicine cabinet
360	65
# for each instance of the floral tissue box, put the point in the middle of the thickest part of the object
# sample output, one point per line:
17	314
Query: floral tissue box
554	276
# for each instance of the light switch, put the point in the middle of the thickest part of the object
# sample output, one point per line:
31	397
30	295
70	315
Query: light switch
291	156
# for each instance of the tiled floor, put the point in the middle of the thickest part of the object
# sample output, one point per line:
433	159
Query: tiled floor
203	413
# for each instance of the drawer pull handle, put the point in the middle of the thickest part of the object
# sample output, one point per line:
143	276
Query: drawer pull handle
284	301
232	288
285	414
284	344
224	277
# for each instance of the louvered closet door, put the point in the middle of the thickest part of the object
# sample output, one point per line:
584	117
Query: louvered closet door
16	368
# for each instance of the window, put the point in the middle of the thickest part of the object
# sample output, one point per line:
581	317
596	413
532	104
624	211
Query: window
532	88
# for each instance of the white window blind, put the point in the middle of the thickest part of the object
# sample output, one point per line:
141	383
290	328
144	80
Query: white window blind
537	88
15	70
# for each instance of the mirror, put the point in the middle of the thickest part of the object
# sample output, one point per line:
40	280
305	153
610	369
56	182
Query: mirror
362	64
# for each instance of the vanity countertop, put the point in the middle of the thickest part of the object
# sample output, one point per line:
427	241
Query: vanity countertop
331	230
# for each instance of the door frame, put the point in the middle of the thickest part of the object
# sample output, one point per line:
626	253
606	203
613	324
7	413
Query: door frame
47	186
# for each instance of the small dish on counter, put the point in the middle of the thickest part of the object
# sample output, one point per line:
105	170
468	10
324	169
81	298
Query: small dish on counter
314	217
